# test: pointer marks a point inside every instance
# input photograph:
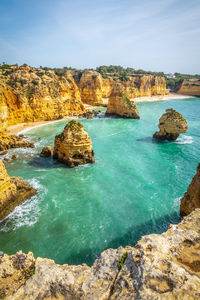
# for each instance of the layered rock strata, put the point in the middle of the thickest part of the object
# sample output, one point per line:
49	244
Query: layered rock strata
191	199
160	266
73	146
13	191
35	95
171	125
13	141
190	87
120	105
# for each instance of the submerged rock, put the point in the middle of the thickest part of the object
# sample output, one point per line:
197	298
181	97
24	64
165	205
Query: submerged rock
46	152
120	105
160	266
171	124
191	199
13	141
73	146
13	191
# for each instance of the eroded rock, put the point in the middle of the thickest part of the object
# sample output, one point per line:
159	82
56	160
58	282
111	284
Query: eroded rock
73	146
46	152
120	105
13	141
191	199
13	191
171	125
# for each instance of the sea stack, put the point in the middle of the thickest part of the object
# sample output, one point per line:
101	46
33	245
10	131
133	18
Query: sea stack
191	199
73	146
171	124
120	105
13	191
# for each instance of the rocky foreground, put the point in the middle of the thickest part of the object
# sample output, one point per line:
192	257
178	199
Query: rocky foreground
160	266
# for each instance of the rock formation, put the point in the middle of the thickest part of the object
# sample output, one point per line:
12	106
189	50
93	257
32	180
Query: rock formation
36	95
160	266
171	124
13	191
46	152
13	141
120	105
190	87
73	146
191	199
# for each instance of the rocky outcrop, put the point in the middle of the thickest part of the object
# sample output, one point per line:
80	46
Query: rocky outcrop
120	105
13	141
90	86
191	199
36	95
160	266
73	146
171	125
147	85
46	152
13	191
190	87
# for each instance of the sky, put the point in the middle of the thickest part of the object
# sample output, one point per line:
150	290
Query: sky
144	34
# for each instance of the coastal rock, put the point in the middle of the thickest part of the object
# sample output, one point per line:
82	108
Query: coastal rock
28	95
160	266
13	141
120	105
191	199
190	87
46	152
13	191
90	86
171	124
73	146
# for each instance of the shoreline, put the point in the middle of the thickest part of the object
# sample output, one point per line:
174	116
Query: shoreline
170	96
21	128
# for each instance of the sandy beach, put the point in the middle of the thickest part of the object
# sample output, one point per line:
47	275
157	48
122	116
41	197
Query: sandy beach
170	96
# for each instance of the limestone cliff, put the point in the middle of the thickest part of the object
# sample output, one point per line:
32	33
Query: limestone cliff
191	199
160	266
171	124
73	146
34	94
190	87
120	105
13	191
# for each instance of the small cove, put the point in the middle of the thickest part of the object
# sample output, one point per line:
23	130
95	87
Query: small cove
133	189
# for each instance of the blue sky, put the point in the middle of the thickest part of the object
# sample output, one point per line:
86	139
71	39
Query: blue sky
149	34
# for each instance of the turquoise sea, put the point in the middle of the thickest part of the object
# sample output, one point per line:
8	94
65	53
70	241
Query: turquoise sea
134	188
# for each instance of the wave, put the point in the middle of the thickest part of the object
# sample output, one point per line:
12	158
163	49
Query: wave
185	139
26	214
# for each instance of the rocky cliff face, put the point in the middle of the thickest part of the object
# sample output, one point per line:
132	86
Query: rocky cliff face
35	95
13	191
94	88
120	105
171	124
160	266
190	87
73	146
191	199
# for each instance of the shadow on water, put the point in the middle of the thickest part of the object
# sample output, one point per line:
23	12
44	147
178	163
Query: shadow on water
45	163
130	238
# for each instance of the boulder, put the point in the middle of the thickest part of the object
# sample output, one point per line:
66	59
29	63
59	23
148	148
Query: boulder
120	105
46	152
191	199
171	125
73	146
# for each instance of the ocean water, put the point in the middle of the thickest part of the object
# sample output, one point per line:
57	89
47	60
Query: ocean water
134	188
